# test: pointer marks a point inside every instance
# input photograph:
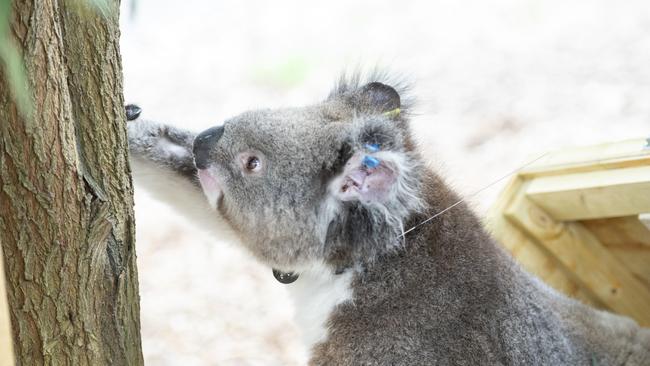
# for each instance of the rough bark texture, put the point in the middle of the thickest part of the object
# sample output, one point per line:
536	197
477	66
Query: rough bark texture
66	205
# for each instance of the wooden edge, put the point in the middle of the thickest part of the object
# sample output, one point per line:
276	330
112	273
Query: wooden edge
589	158
531	255
580	251
6	337
591	195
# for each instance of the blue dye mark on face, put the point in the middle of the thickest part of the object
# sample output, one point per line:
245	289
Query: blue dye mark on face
372	147
370	162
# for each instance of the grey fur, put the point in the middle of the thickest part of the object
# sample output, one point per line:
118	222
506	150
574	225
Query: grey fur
446	294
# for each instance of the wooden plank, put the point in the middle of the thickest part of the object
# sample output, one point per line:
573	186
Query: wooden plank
591	158
628	240
6	339
581	252
533	257
636	260
625	231
598	194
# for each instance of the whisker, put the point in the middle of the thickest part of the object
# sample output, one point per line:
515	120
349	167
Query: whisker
472	195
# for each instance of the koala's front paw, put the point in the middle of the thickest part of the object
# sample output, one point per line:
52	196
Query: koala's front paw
162	143
132	112
144	135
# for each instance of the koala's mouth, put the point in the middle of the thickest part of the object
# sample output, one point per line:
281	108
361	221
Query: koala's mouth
211	186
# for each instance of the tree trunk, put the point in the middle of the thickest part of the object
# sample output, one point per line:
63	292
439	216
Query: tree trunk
66	198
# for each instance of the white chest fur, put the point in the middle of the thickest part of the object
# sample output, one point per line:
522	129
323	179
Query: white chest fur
315	294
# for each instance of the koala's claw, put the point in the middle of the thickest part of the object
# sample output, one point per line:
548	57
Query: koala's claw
132	112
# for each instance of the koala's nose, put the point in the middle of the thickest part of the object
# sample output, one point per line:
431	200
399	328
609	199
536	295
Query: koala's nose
203	143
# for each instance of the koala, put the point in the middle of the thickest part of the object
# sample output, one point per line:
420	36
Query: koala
325	195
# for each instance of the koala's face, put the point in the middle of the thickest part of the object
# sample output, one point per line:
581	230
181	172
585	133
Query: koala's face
326	182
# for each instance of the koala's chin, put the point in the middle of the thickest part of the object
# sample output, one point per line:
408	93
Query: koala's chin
336	199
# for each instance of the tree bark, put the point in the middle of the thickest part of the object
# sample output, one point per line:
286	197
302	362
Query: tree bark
66	197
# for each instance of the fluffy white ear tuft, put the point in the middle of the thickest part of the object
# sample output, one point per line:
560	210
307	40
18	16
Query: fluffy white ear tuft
369	177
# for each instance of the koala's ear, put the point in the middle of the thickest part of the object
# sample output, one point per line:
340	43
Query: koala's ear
368	178
379	97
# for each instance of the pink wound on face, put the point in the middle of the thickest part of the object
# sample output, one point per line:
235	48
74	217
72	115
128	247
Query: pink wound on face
378	183
364	183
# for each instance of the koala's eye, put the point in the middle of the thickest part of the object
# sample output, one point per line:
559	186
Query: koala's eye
253	164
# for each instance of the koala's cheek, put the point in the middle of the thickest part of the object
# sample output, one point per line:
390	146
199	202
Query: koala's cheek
211	187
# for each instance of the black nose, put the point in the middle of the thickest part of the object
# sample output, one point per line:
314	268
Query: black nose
203	143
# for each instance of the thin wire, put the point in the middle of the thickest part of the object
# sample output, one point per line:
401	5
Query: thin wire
473	194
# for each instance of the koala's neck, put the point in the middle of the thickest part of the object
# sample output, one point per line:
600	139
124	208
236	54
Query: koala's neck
453	245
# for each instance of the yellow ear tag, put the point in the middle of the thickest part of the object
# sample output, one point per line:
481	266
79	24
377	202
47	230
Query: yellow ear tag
392	113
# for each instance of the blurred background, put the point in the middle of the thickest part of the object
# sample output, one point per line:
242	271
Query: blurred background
498	83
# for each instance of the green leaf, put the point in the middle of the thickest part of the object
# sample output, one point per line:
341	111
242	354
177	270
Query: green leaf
5	16
15	75
87	8
102	6
12	64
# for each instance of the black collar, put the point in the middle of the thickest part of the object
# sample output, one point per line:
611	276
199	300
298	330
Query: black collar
290	277
285	277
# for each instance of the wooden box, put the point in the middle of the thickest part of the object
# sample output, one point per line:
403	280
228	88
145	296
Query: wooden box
580	220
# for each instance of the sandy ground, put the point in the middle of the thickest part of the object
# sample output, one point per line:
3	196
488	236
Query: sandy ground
498	82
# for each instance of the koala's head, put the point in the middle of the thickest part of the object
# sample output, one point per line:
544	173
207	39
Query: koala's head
331	182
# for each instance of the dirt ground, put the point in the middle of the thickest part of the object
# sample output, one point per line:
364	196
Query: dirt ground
498	82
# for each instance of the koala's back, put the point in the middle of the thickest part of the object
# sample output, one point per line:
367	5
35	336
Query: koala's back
453	297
